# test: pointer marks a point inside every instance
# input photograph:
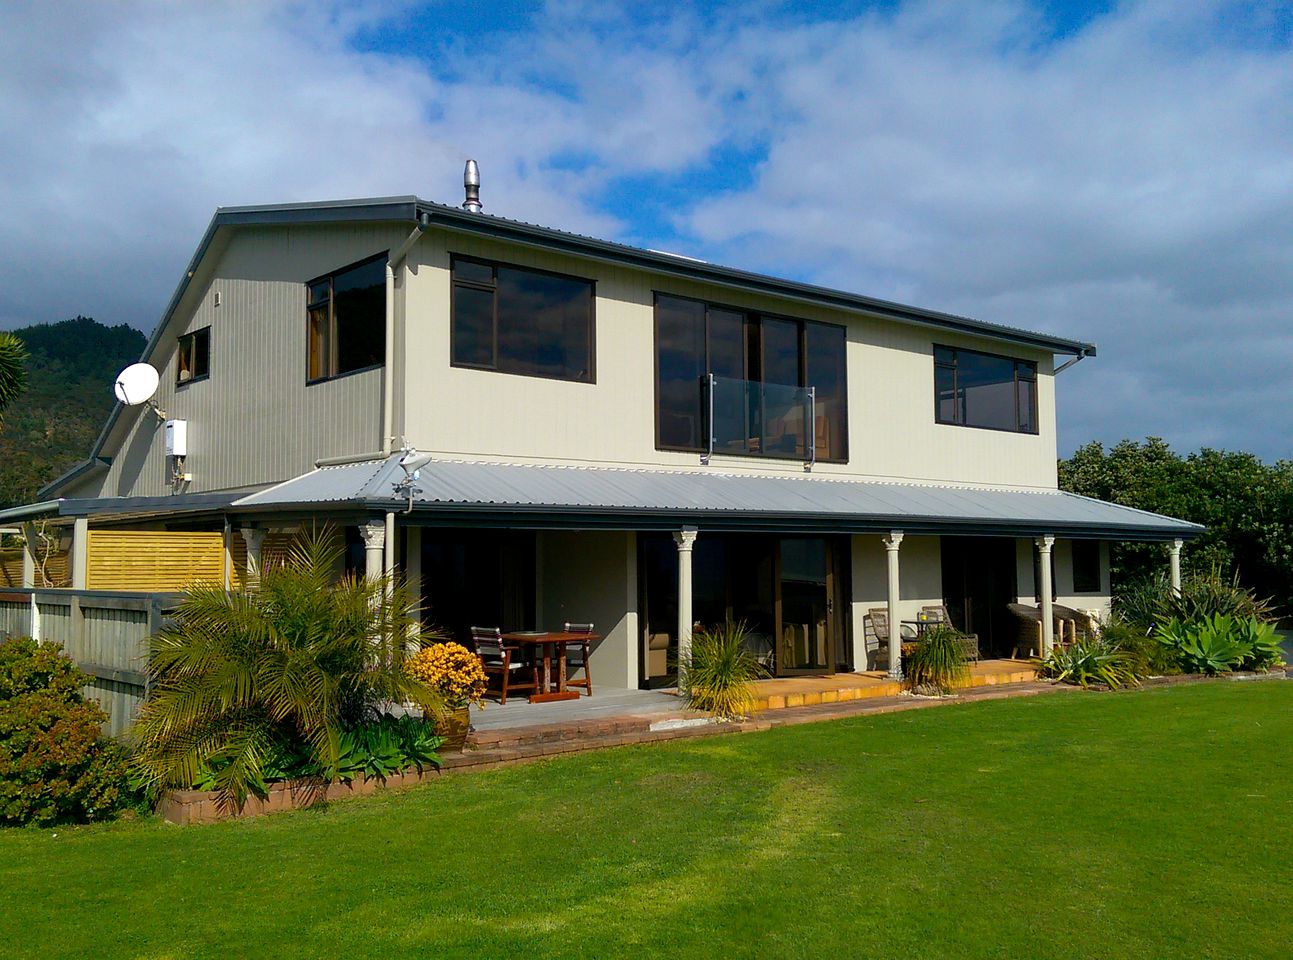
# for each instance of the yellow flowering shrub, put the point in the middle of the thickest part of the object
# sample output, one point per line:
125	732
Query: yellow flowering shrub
451	669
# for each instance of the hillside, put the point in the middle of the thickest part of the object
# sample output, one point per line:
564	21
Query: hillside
53	424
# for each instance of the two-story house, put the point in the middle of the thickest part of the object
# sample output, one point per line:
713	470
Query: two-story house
616	435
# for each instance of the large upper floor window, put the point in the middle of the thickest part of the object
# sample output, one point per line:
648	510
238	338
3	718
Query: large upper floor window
347	319
515	320
194	360
738	382
975	389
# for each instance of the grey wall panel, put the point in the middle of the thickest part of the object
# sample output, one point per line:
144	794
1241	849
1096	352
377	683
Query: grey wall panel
255	420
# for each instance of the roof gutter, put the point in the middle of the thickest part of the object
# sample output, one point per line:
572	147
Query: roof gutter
1085	352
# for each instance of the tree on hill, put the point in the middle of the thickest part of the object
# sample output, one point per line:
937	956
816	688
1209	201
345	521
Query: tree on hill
1246	504
70	372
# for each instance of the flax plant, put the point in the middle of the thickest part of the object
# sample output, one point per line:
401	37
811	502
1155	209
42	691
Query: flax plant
241	677
720	676
938	660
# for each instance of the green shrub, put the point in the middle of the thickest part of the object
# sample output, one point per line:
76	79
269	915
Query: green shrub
937	660
289	667
720	677
55	764
1090	660
1150	602
376	749
1146	654
1220	643
1202	646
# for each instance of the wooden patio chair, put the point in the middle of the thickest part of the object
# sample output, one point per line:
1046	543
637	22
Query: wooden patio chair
503	661
937	613
878	618
577	654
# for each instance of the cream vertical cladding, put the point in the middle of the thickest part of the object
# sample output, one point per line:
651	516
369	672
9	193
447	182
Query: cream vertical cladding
480	414
921	584
588	577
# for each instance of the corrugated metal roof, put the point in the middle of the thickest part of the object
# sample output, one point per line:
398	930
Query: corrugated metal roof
628	495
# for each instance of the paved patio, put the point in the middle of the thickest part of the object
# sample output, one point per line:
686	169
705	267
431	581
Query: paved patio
605	703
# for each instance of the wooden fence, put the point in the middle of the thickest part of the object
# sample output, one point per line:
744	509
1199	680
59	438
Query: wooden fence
105	633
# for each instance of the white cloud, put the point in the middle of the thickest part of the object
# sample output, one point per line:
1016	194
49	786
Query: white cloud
1131	182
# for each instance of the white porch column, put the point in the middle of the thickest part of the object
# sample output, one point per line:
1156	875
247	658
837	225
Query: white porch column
254	537
891	545
684	538
1046	591
30	544
374	534
80	557
1175	560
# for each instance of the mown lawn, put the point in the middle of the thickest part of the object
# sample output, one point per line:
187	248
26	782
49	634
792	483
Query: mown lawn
1146	824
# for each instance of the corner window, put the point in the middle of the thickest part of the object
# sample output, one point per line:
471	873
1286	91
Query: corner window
513	320
973	389
762	368
347	319
1086	566
194	359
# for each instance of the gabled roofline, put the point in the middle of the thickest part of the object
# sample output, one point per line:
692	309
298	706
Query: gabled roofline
410	208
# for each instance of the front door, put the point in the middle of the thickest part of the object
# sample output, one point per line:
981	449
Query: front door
806	606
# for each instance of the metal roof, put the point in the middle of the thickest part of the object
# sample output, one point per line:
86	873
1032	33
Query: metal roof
542	495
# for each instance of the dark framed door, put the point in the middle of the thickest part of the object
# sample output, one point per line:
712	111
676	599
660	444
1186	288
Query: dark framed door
979	580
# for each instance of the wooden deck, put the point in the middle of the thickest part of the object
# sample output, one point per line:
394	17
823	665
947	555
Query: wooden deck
842	687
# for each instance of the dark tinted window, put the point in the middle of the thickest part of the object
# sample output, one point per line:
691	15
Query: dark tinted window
346	320
680	367
762	366
983	390
194	360
521	321
826	357
1086	566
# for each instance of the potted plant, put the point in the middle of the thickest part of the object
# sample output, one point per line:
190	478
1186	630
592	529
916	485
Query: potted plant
459	677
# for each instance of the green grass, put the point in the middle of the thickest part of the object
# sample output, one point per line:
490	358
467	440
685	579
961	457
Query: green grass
1143	824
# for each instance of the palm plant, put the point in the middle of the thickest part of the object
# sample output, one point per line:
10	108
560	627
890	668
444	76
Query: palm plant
13	372
937	660
296	661
719	676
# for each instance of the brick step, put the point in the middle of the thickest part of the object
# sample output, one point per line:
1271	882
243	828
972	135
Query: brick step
507	749
559	732
882	688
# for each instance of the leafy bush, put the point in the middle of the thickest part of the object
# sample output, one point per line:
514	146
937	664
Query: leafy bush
376	749
1220	643
1090	660
1149	602
288	667
1146	654
720	677
450	669
937	660
55	764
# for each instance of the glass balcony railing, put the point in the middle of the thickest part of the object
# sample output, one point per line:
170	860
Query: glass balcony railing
750	418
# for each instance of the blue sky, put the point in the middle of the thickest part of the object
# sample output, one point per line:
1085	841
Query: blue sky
1121	173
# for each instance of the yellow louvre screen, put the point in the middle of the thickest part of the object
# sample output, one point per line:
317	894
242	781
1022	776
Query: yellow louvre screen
153	560
56	572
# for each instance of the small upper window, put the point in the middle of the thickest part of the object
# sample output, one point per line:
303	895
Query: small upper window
1086	566
347	319
975	389
522	321
194	356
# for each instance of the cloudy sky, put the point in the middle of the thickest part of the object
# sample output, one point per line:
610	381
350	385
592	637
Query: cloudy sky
1115	172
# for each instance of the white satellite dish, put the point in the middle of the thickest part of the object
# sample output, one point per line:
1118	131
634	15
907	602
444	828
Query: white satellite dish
137	384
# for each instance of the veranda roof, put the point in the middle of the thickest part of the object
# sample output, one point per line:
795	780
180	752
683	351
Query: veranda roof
497	494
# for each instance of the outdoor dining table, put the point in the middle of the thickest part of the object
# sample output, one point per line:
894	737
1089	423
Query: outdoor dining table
552	643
